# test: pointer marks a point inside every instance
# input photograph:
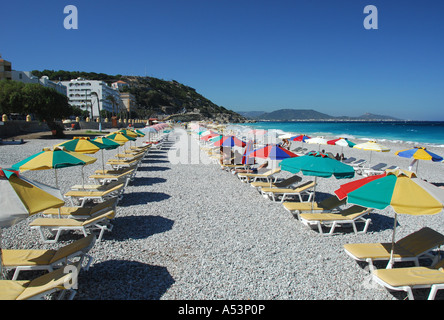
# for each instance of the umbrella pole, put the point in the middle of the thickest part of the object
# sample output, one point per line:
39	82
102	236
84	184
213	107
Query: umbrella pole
390	263
2	275
57	186
314	194
103	163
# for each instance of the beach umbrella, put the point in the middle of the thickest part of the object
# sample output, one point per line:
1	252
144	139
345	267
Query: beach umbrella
371	146
82	145
301	137
127	132
209	136
216	138
56	158
418	153
342	142
149	131
318	165
229	141
108	145
21	197
272	152
318	140
399	189
246	159
120	137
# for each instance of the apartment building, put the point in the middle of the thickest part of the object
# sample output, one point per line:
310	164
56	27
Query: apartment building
83	93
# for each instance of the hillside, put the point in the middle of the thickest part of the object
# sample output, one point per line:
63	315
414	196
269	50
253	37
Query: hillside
156	97
309	114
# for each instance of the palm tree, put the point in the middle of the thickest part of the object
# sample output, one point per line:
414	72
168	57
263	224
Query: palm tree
111	99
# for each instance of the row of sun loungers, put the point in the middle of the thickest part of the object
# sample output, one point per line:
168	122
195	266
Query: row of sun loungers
325	216
93	208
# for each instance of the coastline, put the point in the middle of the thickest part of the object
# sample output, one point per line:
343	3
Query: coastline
425	141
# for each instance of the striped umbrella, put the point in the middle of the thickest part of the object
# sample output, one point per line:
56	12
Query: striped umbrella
82	145
371	146
272	152
418	153
399	189
56	158
229	141
21	197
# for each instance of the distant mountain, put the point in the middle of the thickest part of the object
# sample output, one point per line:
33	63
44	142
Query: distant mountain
309	114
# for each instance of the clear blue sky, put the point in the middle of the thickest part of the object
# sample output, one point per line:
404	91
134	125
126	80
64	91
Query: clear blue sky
248	55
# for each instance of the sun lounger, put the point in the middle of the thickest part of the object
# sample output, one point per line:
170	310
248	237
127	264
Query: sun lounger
281	184
58	226
82	212
411	278
22	260
106	178
299	191
85	195
268	176
119	164
324	206
349	160
129	156
37	289
376	170
349	216
413	247
357	163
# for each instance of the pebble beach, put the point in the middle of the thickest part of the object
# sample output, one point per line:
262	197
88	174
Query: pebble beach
195	232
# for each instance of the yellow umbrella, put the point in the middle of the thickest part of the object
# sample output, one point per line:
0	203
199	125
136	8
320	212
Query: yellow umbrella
82	145
53	159
371	146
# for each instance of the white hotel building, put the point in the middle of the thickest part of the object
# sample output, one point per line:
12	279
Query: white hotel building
79	94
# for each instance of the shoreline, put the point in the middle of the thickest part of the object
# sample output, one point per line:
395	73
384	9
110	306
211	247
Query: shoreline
351	136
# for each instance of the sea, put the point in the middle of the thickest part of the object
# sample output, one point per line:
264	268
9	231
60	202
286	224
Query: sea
425	133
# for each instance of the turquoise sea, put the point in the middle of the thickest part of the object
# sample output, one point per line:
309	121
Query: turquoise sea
414	132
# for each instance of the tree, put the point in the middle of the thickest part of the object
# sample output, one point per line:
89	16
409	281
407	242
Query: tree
31	98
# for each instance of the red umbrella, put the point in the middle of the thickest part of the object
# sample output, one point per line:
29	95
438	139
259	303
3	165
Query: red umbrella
273	152
301	137
346	188
229	141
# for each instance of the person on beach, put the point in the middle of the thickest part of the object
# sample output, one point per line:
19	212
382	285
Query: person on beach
285	144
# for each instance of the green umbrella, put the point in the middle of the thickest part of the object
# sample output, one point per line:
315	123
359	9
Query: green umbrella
318	165
109	145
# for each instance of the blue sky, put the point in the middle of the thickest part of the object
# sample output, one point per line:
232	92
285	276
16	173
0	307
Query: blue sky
248	55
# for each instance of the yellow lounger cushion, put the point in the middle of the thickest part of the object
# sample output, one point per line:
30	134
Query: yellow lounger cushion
347	214
409	246
300	188
54	222
22	290
327	204
86	193
19	257
410	276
